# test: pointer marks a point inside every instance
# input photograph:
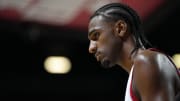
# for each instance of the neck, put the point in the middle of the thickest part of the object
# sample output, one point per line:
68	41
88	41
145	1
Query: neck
126	58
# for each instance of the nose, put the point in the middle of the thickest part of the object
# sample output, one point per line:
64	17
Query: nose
92	47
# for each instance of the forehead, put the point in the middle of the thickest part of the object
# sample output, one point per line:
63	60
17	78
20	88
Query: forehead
97	22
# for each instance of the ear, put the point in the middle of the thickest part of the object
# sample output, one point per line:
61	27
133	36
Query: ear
120	28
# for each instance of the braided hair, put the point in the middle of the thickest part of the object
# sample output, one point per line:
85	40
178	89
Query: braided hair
117	11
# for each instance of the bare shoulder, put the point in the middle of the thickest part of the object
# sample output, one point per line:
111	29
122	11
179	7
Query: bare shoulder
154	75
152	60
148	65
153	63
146	59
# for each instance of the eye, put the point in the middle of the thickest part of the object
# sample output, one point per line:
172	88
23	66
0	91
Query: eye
95	36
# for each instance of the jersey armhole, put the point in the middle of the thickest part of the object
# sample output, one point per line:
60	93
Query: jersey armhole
132	94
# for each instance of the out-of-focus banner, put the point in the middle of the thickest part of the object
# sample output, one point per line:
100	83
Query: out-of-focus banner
70	13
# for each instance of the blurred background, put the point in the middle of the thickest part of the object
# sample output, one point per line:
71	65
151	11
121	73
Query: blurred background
44	48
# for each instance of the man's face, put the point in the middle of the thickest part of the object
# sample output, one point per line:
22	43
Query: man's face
104	44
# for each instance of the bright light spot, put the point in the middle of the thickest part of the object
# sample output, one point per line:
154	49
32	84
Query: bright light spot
57	65
176	59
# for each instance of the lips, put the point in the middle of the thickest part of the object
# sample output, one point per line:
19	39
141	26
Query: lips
98	57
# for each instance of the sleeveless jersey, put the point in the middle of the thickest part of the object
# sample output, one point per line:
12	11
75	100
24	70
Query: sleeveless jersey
129	95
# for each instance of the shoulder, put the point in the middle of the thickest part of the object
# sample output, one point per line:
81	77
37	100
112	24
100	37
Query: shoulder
153	62
153	74
147	65
149	60
153	68
146	55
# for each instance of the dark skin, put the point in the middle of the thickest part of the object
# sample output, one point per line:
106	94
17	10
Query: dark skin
154	77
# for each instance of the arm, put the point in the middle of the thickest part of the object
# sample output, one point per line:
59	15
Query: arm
150	80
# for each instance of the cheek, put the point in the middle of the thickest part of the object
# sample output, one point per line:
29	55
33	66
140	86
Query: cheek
116	48
104	44
110	46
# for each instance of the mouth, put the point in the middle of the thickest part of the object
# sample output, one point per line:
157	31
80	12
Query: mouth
98	57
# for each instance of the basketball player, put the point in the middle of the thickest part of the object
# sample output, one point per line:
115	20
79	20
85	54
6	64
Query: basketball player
116	37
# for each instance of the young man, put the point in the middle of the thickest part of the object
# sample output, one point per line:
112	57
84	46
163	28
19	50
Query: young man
116	37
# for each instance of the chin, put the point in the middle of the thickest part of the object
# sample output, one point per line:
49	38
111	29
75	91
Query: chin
107	64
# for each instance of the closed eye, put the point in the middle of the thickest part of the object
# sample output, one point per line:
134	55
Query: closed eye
94	36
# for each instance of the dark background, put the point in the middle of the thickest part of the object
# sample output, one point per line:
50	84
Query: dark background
25	45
